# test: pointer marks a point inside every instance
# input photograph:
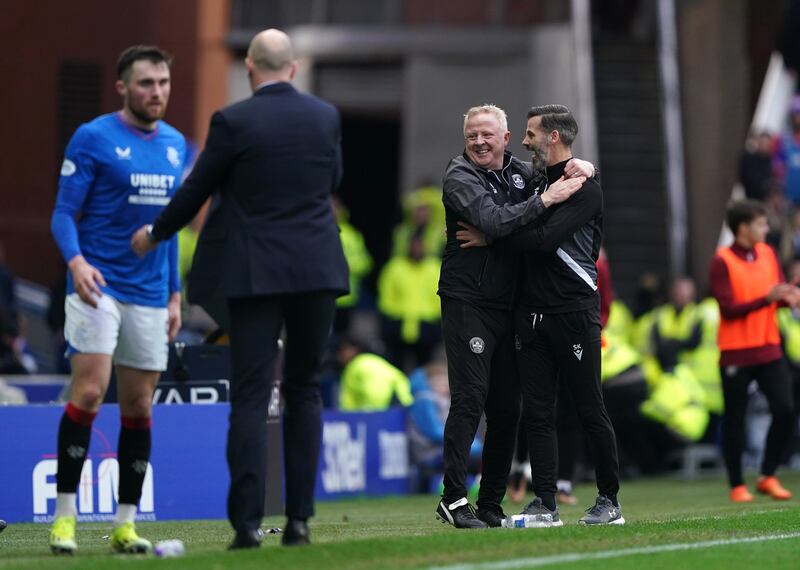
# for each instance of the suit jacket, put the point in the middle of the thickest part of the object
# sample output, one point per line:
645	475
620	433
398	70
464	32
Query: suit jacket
271	162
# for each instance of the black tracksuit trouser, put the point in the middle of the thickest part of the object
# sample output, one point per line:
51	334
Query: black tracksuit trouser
564	347
480	363
775	383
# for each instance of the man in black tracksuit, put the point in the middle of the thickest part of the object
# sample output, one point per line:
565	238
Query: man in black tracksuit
557	323
487	188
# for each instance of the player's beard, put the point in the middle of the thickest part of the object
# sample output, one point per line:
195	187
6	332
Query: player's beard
144	114
539	158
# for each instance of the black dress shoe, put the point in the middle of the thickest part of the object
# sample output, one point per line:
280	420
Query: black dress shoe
249	539
295	533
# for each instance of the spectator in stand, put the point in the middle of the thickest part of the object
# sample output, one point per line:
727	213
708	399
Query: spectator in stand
755	165
778	219
789	324
7	299
359	262
649	295
56	319
369	383
677	325
10	359
787	155
790	242
423	217
409	306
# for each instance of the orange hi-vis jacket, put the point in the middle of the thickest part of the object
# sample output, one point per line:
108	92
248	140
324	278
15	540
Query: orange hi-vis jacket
750	281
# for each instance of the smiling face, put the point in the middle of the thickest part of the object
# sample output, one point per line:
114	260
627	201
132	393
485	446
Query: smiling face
486	140
538	142
145	92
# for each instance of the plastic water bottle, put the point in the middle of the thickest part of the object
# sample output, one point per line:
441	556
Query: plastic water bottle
169	548
514	521
530	521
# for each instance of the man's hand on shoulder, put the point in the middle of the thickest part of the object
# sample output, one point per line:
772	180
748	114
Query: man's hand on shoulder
562	189
575	168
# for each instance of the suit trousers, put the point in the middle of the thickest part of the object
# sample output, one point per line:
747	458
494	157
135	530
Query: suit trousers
255	326
564	347
482	377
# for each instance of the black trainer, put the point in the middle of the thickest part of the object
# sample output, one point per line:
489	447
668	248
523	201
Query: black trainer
603	512
537	515
493	517
459	514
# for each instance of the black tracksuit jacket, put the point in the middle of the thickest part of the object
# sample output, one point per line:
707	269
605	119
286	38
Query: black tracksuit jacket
497	204
559	273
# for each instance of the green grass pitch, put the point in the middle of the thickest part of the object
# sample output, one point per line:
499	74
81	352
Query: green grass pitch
664	516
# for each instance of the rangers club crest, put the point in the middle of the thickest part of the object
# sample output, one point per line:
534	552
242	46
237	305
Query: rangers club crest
173	156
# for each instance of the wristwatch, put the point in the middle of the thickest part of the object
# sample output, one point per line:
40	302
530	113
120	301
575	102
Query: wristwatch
150	237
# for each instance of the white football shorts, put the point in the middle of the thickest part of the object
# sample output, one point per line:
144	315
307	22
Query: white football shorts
135	335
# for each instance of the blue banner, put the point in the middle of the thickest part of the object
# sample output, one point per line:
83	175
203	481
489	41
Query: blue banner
362	454
187	477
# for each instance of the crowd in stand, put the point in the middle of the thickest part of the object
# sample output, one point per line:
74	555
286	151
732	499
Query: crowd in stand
769	172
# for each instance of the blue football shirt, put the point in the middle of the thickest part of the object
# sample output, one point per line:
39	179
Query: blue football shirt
114	179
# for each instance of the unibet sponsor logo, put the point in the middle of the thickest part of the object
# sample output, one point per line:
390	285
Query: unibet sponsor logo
97	491
152	188
344	457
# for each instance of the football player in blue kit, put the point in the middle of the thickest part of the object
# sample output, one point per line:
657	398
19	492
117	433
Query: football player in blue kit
119	171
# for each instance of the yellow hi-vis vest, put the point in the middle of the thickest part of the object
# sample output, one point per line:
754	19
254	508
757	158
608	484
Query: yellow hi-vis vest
790	331
407	293
616	356
359	261
620	321
369	383
677	402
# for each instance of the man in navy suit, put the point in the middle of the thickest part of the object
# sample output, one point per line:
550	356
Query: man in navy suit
269	255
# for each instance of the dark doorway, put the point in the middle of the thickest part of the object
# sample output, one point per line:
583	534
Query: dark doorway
370	187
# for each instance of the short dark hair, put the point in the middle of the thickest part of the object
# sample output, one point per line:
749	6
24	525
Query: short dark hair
136	53
743	212
557	118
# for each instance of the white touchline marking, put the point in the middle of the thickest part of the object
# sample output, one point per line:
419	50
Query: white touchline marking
579	556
